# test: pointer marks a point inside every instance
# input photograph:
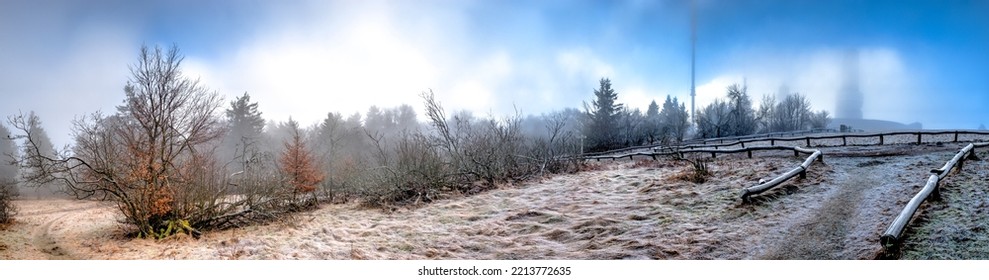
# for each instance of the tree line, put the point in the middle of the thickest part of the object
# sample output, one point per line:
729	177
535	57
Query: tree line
174	159
609	125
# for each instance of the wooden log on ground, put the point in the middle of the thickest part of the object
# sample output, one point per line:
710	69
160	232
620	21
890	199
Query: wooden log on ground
800	170
944	170
892	238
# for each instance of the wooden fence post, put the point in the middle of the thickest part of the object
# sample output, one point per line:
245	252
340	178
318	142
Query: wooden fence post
880	139
843	141
750	153
956	136
918	138
808	142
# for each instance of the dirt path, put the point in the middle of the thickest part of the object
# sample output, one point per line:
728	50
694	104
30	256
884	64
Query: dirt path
44	240
824	233
52	229
866	193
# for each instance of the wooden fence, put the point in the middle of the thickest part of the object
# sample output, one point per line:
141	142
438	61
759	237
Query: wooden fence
780	137
892	238
799	170
881	138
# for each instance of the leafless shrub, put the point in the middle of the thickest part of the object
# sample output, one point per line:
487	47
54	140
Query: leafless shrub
408	171
556	151
697	172
487	150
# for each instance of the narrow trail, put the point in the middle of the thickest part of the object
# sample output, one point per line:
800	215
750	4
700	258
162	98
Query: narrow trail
825	232
44	240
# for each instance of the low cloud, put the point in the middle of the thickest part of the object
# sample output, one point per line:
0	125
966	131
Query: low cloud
888	85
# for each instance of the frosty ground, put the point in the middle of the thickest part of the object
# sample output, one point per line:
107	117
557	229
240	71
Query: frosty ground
624	209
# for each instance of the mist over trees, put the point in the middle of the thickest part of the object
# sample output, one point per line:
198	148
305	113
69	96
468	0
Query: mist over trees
674	121
173	159
44	147
300	166
790	114
8	174
8	155
610	125
244	130
736	116
731	117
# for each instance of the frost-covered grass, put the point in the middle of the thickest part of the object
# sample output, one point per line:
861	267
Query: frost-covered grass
615	210
955	227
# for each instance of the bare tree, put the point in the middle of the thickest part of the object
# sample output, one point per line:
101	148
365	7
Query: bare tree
153	157
713	120
742	119
819	119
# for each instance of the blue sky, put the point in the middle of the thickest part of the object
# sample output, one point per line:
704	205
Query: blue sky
921	61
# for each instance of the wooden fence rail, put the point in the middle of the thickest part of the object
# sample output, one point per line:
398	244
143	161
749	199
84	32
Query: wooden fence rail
779	136
713	152
892	238
801	170
746	194
844	137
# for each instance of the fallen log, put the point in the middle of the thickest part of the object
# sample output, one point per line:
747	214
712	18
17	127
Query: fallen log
801	170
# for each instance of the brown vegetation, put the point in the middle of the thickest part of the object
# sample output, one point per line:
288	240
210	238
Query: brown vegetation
300	167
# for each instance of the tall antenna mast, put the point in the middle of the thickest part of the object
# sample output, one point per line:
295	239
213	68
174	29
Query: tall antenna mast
693	58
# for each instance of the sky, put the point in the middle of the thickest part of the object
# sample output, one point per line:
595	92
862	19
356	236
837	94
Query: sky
919	61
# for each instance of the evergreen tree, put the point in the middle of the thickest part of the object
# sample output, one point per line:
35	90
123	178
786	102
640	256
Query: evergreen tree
244	118
245	128
602	130
653	123
675	119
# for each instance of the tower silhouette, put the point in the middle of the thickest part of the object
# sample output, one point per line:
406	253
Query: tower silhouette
849	105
